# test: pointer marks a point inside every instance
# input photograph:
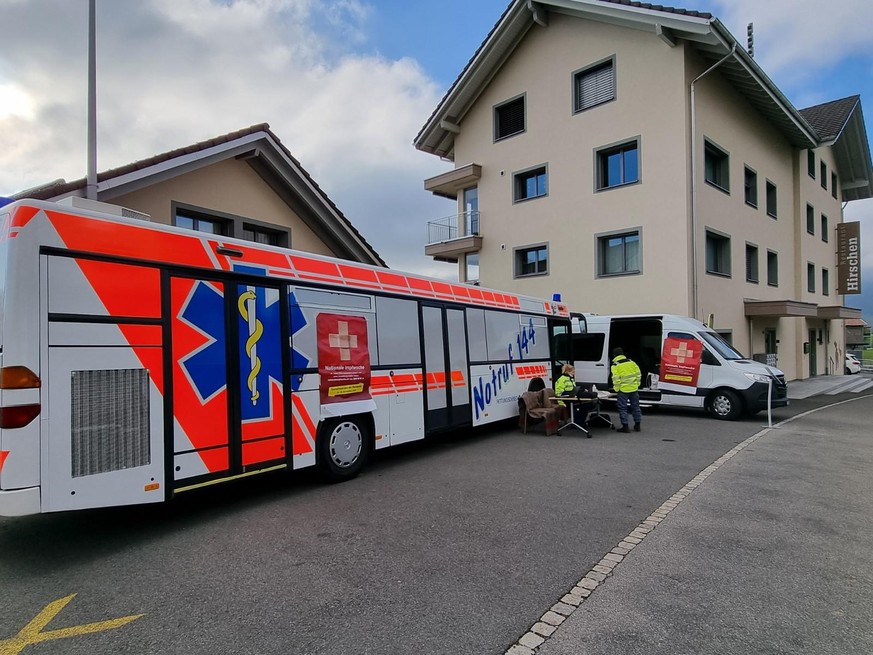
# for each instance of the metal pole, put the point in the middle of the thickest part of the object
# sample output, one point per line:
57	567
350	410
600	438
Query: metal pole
91	186
770	405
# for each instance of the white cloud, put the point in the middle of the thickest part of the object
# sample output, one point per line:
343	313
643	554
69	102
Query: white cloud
15	102
795	40
173	72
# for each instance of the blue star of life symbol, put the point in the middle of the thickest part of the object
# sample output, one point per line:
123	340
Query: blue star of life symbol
259	328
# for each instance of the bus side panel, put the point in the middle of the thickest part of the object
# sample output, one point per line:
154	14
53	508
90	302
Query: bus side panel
102	420
400	400
496	388
103	443
305	408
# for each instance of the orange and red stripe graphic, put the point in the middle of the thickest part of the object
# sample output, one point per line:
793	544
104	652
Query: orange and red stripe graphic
147	242
381	385
531	371
302	428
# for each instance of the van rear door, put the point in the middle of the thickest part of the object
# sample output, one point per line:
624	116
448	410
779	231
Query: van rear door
590	356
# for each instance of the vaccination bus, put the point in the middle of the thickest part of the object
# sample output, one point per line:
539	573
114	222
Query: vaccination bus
140	360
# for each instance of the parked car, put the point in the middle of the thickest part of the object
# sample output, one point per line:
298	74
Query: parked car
853	365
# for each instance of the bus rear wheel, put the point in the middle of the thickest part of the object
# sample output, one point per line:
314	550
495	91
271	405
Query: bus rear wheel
344	446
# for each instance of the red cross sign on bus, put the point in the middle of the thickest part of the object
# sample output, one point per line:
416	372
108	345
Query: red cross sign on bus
343	358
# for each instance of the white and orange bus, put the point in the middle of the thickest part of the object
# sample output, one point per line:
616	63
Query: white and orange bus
141	360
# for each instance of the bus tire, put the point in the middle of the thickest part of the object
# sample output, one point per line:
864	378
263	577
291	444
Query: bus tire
724	404
343	448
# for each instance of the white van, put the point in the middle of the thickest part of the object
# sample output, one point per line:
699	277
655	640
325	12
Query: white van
683	363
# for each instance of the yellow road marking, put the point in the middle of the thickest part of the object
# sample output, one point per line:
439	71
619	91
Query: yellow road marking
32	633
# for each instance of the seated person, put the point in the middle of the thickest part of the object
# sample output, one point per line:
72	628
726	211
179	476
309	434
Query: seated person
566	385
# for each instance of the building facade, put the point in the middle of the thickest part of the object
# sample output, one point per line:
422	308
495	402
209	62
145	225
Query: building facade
244	184
636	159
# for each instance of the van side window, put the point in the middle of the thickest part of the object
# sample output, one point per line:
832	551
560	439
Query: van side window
708	358
588	347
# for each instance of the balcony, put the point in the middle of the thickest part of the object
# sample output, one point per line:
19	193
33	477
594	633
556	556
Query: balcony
448	185
450	237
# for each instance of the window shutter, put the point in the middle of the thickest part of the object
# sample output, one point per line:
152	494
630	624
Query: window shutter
510	118
595	86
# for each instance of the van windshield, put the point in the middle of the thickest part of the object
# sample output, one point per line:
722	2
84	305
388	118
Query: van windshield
719	345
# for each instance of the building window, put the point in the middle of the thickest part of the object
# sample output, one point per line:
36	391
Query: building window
771	199
618	165
532	261
834	185
718	253
529	184
715	166
810	219
472	266
751	186
810	277
228	225
772	269
594	85
751	263
824	228
824	175
825	282
810	163
509	119
201	223
471	210
262	235
618	253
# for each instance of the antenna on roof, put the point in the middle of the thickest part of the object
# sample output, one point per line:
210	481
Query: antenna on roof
750	40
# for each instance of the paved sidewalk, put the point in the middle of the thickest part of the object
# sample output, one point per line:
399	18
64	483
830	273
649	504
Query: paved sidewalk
829	385
768	550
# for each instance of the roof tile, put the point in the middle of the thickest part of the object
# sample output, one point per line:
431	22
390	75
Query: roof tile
829	118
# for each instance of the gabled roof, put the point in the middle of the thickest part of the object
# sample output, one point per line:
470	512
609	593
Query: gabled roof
840	123
264	152
707	35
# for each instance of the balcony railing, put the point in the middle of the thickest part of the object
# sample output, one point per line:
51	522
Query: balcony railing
450	237
453	227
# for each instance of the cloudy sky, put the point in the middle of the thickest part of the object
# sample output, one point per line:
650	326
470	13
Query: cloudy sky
345	84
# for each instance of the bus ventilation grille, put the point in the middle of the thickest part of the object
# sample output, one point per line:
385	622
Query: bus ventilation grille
110	421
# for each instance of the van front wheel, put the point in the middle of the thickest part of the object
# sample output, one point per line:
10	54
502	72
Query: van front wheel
724	404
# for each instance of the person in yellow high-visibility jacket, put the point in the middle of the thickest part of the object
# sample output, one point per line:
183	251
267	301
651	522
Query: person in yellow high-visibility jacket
626	382
566	385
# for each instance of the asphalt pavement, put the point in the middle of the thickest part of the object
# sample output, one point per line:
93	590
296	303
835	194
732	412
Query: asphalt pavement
767	550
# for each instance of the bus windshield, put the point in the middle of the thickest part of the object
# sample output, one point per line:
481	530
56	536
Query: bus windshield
715	341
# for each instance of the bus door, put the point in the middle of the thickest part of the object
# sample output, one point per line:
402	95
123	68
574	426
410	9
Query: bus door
561	347
446	371
229	410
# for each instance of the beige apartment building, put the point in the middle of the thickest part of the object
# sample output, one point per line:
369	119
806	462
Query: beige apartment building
634	158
